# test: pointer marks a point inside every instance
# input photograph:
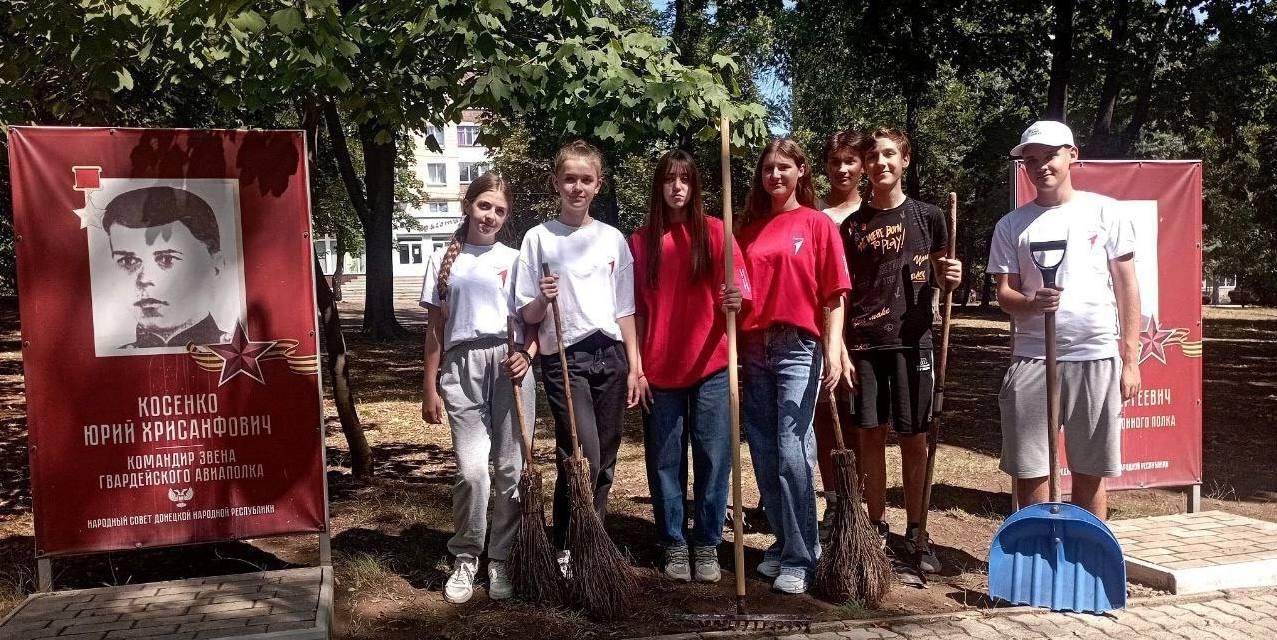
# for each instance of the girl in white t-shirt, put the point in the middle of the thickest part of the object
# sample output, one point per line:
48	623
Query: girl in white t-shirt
592	278
467	292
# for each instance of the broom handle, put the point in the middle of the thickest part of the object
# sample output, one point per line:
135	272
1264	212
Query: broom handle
518	396
937	404
563	366
733	376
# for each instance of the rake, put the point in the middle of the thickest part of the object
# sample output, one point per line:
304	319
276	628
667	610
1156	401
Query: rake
741	620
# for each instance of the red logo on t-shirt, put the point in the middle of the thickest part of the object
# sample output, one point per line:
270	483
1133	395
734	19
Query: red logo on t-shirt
1093	238
502	274
611	266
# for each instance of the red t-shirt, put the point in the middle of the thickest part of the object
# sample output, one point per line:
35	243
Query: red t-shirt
684	338
796	264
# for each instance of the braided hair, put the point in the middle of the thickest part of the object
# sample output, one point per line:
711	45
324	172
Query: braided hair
487	182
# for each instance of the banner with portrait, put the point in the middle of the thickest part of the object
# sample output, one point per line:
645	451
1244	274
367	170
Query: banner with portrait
1162	425
166	293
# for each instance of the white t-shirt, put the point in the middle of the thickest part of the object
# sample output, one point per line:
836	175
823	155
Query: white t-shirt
480	286
1086	323
596	279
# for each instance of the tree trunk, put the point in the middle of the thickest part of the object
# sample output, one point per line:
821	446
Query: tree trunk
986	291
915	84
1061	62
1101	143
339	266
1148	72
334	340
379	237
343	396
689	18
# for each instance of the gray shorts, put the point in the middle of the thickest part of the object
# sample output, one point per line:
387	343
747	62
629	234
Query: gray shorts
1090	410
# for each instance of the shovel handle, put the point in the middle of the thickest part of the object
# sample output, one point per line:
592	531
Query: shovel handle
563	365
1052	407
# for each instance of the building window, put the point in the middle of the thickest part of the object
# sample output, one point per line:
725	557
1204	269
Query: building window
470	171
436	174
467	135
437	208
436	133
411	250
1230	281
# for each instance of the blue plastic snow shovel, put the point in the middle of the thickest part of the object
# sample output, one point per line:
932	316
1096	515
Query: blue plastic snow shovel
1055	554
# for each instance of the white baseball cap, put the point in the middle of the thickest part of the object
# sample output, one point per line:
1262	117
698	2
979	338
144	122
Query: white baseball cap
1047	132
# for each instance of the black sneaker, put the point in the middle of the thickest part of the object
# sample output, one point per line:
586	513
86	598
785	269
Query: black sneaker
920	551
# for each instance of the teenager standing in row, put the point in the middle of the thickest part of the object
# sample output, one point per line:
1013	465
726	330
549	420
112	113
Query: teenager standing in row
843	168
682	298
895	247
799	276
467	292
592	279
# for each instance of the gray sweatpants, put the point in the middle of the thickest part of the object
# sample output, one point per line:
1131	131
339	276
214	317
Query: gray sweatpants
480	403
1090	414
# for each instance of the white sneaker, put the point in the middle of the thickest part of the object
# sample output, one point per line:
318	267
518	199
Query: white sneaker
565	560
499	585
676	564
790	583
769	567
460	586
706	561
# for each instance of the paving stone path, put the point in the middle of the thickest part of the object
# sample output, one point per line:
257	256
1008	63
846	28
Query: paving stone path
275	604
1230	615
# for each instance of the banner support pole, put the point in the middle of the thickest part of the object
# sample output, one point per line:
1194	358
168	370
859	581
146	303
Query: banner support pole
44	575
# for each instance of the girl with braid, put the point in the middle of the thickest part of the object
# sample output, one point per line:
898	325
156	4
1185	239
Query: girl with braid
470	372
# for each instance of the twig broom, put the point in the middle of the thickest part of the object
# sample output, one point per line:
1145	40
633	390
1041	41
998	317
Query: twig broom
600	579
533	568
853	566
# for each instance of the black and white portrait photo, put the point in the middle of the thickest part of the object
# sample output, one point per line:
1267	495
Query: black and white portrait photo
165	262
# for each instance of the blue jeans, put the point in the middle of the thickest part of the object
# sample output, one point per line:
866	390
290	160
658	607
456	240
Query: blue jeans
782	382
698	414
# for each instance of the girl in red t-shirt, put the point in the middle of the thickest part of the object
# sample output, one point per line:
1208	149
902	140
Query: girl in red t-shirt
799	276
681	296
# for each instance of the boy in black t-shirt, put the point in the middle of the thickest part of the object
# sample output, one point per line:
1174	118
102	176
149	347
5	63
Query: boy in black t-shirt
895	249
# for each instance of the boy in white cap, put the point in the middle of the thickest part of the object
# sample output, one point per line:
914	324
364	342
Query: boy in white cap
1097	305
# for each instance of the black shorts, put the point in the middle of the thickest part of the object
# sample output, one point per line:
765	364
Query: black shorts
895	387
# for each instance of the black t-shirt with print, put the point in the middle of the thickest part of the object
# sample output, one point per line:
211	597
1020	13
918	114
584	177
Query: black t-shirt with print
892	284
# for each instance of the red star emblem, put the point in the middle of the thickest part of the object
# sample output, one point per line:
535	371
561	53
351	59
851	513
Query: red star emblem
1153	341
241	355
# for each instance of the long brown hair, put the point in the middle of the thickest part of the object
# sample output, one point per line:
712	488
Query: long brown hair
758	204
658	216
487	182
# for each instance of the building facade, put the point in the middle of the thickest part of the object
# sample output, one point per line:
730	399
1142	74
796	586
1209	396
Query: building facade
446	174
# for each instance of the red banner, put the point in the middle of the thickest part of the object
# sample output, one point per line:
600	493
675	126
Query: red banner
166	290
1162	426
